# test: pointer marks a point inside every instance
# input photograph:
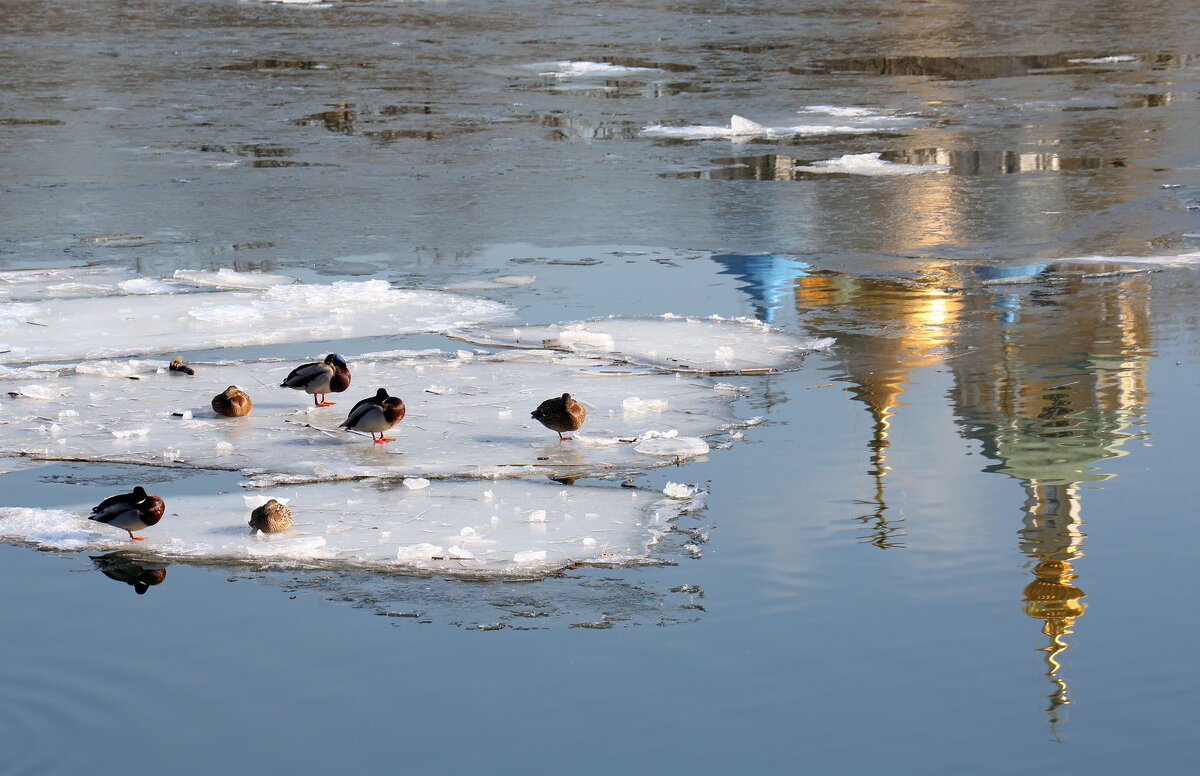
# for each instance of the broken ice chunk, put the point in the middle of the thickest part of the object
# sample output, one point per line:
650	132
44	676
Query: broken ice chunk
678	490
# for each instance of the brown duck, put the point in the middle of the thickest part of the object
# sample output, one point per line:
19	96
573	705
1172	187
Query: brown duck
129	511
560	414
320	378
376	414
232	403
271	517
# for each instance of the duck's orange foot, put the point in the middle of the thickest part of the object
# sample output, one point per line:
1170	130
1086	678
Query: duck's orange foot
383	439
326	403
137	538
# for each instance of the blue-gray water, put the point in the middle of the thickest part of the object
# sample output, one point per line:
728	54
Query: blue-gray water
896	561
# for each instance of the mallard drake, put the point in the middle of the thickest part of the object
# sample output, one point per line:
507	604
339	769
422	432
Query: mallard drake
177	366
376	415
130	512
329	376
560	414
139	574
233	402
271	517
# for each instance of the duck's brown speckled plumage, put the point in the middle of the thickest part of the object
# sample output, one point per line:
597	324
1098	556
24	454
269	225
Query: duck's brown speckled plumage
177	366
560	414
271	517
233	402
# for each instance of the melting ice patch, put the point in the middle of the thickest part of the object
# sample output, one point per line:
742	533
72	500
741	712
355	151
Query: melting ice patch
467	416
584	69
741	128
282	313
1176	260
1111	60
465	527
870	165
669	342
229	278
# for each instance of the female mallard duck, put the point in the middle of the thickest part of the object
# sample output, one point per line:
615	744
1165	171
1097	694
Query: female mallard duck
376	414
130	512
233	402
271	517
560	414
329	376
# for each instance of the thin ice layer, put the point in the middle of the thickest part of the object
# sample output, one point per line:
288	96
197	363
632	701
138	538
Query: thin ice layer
53	329
468	415
669	342
584	69
514	527
57	282
741	128
870	165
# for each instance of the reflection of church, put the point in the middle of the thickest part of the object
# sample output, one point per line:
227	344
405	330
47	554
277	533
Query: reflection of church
1048	375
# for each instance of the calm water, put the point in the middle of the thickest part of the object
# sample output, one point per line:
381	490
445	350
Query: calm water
948	549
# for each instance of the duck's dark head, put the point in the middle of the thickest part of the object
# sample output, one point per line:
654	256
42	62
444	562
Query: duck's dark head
381	395
139	493
335	359
566	397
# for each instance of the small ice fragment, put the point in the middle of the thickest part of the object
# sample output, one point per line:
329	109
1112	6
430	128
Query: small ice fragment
589	542
743	124
487	494
504	414
678	490
416	483
723	354
468	531
459	553
34	391
530	556
635	405
580	339
126	433
537	516
675	446
422	551
145	286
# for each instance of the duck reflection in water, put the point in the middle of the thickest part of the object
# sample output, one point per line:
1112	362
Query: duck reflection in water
138	573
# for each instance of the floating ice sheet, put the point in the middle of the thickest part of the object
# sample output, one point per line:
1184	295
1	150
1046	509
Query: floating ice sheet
870	165
1163	260
468	416
744	129
133	325
229	278
670	342
584	69
512	528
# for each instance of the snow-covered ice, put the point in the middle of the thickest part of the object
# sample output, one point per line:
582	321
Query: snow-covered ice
667	342
447	527
467	416
49	330
870	165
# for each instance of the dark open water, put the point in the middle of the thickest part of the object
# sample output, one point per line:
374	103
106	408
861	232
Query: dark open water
969	553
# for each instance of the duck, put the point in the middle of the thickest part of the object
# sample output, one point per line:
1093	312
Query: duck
233	402
376	414
560	414
135	572
130	512
178	366
271	517
320	378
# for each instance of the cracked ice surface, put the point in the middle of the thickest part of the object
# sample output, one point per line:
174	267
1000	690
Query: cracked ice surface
60	282
515	528
51	329
670	342
468	416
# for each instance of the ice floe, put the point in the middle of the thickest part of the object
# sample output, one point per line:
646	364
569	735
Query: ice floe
1162	260
869	164
51	329
586	69
1110	60
707	345
742	128
467	416
503	528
